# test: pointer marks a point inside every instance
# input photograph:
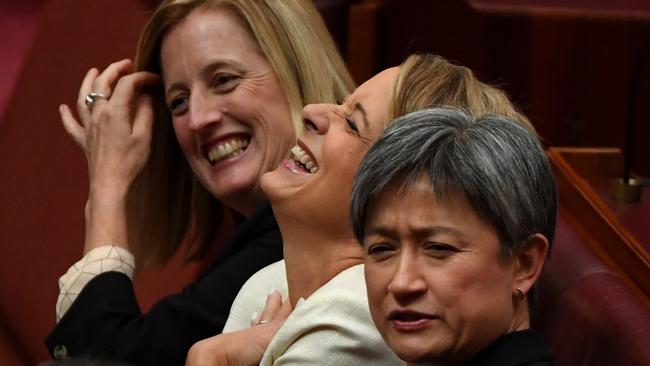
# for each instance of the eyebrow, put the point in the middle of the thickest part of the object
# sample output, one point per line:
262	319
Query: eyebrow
421	232
359	107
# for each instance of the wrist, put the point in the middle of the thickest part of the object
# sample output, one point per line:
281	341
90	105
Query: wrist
106	221
105	193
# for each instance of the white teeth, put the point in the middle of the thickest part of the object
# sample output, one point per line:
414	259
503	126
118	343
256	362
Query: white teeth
226	150
299	155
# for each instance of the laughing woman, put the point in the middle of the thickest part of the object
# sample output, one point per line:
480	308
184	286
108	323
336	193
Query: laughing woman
309	192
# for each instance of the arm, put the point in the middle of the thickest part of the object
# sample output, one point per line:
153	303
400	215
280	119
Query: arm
115	135
113	327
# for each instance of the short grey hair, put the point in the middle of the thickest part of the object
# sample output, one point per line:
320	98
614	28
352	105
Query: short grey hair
495	162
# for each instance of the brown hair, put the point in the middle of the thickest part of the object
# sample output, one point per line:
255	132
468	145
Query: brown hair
167	204
427	80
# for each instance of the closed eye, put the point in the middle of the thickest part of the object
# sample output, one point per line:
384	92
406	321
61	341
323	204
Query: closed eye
351	123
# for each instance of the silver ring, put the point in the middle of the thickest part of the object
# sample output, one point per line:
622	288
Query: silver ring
263	321
92	98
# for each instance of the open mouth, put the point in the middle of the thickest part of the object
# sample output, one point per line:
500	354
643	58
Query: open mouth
227	149
303	160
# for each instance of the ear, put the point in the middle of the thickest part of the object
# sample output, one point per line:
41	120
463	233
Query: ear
529	262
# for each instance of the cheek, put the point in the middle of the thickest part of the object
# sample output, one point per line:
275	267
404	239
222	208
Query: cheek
377	284
476	295
184	136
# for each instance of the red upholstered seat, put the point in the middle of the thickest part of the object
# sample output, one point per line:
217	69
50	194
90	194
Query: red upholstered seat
587	313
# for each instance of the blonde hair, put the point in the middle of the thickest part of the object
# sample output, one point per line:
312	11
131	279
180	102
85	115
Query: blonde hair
427	80
167	204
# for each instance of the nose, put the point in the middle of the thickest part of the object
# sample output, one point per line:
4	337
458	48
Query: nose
204	110
408	282
316	117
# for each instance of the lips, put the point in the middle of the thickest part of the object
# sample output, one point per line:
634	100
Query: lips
408	320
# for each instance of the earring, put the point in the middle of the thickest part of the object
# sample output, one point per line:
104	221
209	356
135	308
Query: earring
518	295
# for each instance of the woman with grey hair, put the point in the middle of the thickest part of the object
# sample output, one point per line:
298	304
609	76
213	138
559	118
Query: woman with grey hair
456	215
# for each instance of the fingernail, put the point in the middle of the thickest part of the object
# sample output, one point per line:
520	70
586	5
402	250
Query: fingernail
254	316
271	291
61	108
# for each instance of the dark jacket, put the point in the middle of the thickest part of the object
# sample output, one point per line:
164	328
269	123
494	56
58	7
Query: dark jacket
105	321
523	348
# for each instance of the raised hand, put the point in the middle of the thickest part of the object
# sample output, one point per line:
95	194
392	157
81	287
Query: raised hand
115	134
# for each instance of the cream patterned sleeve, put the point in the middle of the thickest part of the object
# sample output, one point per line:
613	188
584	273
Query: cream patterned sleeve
99	260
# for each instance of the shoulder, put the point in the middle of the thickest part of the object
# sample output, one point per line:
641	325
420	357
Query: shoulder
252	296
333	324
270	277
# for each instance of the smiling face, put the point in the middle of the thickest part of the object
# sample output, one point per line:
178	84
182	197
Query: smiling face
229	112
315	180
436	286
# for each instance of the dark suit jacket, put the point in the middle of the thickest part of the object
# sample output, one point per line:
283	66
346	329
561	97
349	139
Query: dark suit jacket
105	321
523	348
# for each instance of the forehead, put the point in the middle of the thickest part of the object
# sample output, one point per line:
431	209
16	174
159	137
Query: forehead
374	97
379	86
207	33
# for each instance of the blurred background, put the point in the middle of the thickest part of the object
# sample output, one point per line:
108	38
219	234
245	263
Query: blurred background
580	69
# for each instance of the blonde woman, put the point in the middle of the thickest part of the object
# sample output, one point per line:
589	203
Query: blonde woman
215	103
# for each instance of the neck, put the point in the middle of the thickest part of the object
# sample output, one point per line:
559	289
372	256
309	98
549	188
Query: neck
521	319
313	255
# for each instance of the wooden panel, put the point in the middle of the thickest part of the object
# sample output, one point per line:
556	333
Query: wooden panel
607	235
597	162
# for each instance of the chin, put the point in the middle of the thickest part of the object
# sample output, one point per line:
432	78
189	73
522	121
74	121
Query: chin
417	350
413	356
269	183
280	185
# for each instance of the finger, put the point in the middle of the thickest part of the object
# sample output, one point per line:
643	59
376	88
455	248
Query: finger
129	86
284	311
86	85
106	81
255	319
72	126
273	303
143	118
